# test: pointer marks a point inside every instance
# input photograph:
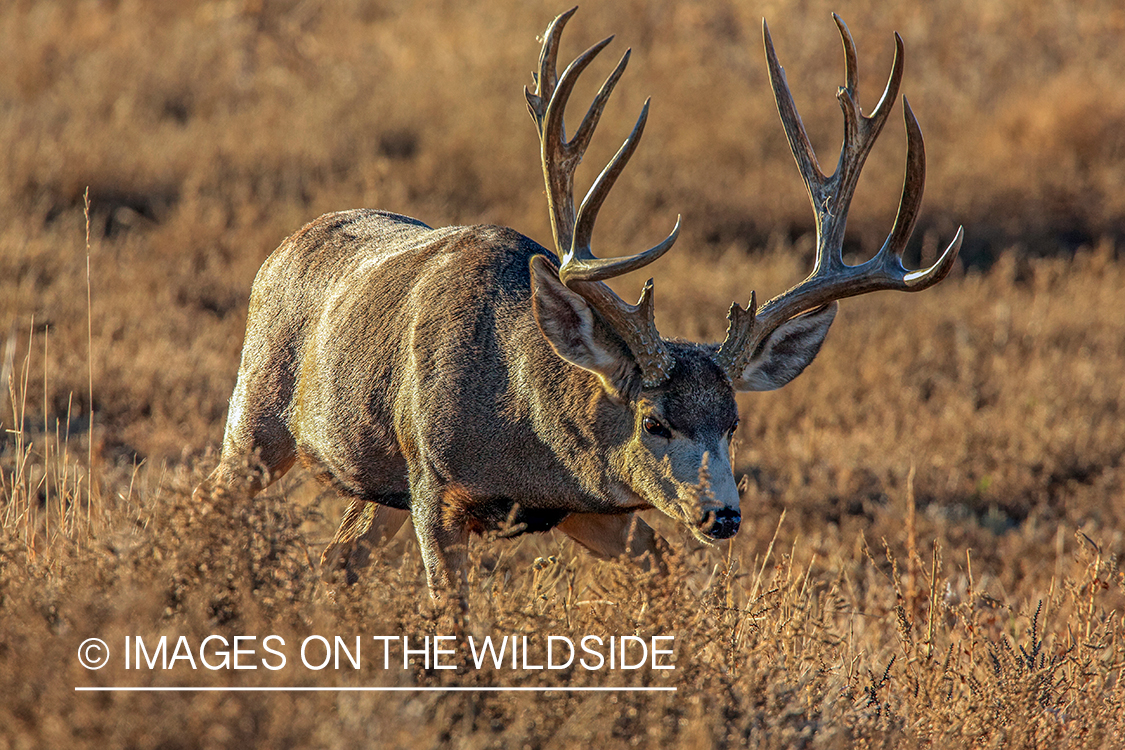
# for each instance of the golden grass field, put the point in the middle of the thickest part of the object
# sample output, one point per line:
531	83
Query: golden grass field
933	515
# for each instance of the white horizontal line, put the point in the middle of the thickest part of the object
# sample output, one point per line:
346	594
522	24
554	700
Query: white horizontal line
295	689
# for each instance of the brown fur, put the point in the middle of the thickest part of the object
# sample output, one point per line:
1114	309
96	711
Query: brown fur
452	373
406	367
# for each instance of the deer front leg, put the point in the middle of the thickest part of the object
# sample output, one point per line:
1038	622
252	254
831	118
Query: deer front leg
443	538
611	537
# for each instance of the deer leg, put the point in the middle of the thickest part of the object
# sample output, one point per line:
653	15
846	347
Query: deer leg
611	537
257	469
444	554
443	539
364	527
258	447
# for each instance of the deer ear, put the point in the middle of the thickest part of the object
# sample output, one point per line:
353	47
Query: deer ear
787	352
575	332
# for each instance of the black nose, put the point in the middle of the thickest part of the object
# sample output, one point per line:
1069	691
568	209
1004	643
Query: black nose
720	524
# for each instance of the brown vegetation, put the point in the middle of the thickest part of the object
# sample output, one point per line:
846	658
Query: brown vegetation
934	514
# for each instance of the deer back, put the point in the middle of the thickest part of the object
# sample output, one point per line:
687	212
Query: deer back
390	340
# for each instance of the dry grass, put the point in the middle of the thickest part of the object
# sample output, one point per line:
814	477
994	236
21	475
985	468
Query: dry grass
934	514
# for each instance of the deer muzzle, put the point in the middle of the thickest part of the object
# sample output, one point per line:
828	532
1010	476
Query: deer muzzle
720	524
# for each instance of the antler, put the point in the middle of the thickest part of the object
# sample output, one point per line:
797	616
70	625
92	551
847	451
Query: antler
581	271
832	279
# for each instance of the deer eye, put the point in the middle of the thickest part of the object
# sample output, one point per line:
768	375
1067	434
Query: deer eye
653	426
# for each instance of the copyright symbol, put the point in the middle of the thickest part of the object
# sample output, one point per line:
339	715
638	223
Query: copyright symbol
93	653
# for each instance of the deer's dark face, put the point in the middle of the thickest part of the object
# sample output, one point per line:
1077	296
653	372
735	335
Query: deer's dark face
666	445
678	458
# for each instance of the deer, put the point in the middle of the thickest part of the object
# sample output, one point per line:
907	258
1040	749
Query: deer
474	381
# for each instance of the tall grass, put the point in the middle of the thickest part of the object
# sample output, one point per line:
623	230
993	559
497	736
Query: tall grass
934	513
928	581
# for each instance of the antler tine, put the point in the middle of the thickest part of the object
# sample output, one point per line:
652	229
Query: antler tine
547	78
560	95
560	157
549	55
860	133
581	270
913	185
831	279
580	263
586	129
599	269
851	58
791	120
890	91
592	203
851	74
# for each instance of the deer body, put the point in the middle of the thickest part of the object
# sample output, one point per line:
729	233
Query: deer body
405	367
470	379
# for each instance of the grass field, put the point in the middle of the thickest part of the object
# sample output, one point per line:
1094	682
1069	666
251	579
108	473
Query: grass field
933	514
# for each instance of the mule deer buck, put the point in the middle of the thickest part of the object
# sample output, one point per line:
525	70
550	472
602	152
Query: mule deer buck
470	379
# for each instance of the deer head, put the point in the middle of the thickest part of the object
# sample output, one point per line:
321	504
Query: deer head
671	403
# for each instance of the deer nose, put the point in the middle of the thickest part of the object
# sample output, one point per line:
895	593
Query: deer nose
720	524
